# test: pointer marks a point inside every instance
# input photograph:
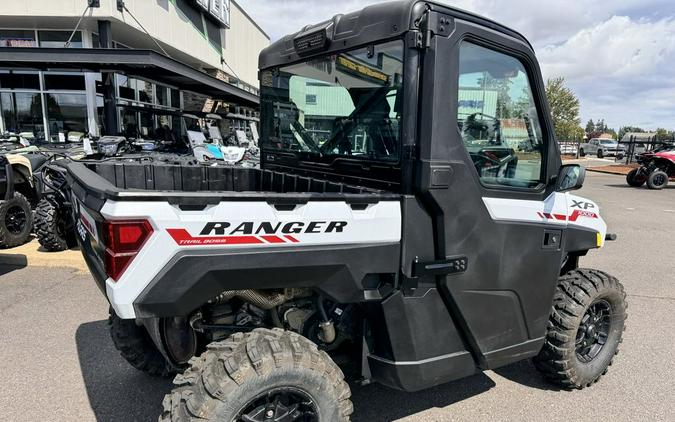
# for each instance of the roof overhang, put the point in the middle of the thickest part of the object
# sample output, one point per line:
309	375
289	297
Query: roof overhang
141	63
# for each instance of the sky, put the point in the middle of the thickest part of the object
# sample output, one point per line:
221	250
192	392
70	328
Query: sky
617	55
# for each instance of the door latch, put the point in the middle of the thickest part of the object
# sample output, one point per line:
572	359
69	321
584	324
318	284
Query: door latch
552	239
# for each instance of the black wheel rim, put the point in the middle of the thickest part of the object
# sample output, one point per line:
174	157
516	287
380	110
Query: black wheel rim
659	179
15	220
593	330
285	404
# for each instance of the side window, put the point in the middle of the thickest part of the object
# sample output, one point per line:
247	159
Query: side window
498	119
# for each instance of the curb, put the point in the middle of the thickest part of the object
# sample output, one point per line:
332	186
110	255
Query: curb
31	255
601	170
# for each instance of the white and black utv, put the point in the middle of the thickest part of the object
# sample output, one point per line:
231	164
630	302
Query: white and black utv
394	226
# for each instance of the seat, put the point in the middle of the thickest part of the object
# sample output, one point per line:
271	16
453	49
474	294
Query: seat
36	160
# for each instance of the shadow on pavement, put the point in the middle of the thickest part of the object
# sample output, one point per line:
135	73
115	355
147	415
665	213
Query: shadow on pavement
116	391
671	185
378	403
524	373
9	263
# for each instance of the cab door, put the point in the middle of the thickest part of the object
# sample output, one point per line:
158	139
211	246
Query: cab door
487	167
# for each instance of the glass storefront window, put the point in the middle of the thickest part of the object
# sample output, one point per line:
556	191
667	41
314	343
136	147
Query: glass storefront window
22	112
19	80
175	98
129	121
145	91
126	87
163	96
66	113
17	38
72	82
147	125
58	39
99	114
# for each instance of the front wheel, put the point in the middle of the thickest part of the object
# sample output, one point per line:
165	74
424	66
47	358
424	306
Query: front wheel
636	178
584	330
582	153
264	375
657	180
600	154
16	221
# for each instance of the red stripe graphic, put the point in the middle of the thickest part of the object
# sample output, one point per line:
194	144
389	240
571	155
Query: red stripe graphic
574	217
183	238
273	239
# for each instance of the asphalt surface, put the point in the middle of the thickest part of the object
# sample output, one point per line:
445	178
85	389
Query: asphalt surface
58	363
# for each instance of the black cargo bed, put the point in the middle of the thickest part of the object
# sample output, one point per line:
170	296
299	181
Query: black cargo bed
184	183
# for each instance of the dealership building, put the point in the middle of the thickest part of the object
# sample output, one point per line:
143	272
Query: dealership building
130	67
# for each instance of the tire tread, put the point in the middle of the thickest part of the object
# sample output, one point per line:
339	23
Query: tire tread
576	290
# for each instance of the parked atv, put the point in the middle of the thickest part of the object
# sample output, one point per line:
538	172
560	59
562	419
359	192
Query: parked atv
19	195
384	239
656	168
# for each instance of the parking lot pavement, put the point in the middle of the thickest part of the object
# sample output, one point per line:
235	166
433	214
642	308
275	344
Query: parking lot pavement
58	363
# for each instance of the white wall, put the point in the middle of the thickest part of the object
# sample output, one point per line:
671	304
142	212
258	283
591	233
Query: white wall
243	43
241	46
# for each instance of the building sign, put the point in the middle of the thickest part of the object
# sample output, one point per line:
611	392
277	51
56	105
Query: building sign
361	70
219	10
204	4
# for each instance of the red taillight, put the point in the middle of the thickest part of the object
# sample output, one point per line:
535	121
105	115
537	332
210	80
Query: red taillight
123	241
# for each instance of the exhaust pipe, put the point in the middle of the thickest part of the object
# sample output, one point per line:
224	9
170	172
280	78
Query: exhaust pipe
260	299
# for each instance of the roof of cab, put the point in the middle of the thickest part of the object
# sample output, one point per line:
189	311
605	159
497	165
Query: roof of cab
376	22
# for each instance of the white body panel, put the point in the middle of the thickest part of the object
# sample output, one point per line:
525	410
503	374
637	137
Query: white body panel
176	230
561	209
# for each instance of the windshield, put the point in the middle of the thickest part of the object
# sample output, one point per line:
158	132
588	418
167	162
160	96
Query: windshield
346	105
608	142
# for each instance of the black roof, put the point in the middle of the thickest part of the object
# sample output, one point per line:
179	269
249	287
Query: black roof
377	22
141	63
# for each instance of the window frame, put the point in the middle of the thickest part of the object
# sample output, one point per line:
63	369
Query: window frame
530	70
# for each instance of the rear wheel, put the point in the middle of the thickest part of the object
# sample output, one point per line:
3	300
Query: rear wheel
584	330
136	347
264	375
657	180
51	226
16	221
636	178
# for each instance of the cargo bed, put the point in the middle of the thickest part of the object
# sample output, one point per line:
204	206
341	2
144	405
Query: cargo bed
131	181
205	225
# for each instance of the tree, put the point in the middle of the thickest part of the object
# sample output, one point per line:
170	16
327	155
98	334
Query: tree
590	126
564	109
663	134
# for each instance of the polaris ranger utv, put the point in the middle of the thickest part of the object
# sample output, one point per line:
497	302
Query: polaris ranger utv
382	232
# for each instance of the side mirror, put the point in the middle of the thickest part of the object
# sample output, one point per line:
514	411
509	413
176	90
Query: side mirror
571	177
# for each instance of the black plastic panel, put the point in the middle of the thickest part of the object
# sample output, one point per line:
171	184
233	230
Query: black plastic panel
191	278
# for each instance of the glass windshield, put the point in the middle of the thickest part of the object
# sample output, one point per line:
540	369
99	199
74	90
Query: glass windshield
346	105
